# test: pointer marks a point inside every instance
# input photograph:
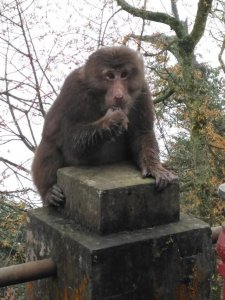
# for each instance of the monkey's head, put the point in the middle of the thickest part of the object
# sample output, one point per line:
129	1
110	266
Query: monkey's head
117	73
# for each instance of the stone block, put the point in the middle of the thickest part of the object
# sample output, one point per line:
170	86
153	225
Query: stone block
167	262
114	198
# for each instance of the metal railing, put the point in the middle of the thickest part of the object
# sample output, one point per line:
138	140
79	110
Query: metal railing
28	271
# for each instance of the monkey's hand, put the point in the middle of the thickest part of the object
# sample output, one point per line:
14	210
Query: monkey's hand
162	176
55	196
115	121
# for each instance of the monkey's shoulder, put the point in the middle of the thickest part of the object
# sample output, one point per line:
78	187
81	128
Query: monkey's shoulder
72	81
76	75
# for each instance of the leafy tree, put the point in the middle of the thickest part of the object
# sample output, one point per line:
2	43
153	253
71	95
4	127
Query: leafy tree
191	91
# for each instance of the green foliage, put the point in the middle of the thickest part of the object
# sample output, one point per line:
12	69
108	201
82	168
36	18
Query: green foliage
197	152
12	230
12	243
216	283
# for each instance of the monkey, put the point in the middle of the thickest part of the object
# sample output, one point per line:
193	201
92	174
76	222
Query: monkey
103	114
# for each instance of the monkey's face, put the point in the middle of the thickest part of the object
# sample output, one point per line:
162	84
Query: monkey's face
118	92
118	74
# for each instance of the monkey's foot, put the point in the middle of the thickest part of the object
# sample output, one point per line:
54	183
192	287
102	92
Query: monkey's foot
55	196
162	176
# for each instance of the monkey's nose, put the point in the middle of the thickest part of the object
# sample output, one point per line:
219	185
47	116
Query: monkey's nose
119	99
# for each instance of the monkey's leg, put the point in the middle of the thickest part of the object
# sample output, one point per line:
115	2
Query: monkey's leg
48	159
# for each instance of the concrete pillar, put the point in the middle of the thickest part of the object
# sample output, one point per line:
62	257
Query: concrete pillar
119	239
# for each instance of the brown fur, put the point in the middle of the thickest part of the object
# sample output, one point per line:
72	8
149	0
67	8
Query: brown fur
103	114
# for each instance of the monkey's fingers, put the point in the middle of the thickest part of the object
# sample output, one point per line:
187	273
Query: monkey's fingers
144	172
56	196
117	118
162	177
161	183
117	130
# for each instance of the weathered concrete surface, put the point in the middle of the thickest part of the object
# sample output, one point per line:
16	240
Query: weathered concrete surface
115	198
167	262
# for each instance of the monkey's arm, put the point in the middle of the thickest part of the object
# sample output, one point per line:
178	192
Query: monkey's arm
88	137
143	142
146	154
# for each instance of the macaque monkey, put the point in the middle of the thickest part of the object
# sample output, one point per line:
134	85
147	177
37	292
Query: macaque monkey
103	114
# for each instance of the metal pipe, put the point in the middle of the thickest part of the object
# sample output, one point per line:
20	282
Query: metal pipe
29	271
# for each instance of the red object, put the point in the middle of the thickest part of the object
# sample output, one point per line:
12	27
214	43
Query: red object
220	248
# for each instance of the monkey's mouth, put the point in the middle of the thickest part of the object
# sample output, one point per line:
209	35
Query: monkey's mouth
116	106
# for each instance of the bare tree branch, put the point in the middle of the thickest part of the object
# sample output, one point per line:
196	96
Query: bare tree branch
107	23
222	64
21	135
165	95
204	7
174	24
24	30
166	42
19	167
174	9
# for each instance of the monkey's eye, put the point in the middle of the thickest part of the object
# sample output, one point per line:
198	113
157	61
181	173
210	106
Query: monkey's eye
124	74
110	75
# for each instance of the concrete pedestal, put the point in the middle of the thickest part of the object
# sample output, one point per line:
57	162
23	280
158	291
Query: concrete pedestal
114	198
100	256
